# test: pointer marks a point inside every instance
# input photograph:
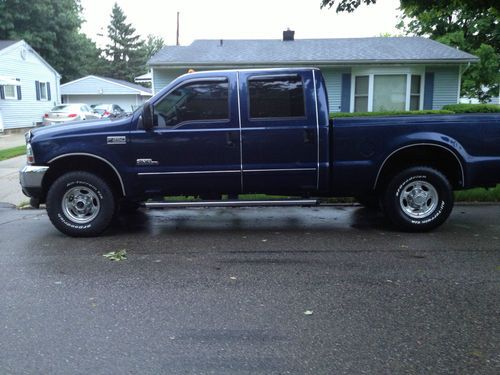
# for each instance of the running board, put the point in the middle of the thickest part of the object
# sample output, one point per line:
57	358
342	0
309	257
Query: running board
232	203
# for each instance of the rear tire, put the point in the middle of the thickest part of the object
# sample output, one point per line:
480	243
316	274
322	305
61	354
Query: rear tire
80	204
418	199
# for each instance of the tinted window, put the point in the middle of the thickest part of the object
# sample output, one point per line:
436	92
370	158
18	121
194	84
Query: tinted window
276	97
192	102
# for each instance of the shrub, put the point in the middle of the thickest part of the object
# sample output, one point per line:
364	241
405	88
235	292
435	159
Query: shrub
472	108
391	113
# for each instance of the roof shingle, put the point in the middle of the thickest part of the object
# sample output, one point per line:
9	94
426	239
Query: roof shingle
7	43
333	51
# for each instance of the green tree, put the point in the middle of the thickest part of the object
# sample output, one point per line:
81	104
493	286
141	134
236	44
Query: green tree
52	28
468	25
422	5
152	45
345	5
126	49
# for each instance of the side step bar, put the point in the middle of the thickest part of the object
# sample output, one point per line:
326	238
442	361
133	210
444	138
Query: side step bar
232	203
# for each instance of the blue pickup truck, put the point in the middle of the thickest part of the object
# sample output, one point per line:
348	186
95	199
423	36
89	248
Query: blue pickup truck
210	134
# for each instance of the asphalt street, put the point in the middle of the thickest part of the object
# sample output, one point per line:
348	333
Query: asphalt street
319	290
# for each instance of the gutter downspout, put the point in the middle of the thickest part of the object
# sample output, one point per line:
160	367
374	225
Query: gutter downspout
460	73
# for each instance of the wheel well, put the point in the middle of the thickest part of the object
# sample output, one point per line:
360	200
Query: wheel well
82	163
436	157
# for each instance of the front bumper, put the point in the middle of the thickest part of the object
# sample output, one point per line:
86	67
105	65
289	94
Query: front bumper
31	177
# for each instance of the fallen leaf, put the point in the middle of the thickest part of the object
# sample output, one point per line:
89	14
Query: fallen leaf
116	255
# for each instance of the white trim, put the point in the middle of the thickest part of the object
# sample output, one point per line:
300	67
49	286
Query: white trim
279	170
10	97
371	84
373	71
317	129
227	171
186	172
153	89
94	156
408	92
239	125
459	82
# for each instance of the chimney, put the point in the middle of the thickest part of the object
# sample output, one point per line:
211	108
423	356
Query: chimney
288	35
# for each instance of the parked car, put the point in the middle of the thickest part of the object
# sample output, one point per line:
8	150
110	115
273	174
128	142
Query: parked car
257	131
109	110
69	112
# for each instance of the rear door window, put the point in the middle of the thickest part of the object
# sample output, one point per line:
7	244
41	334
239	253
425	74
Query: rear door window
278	96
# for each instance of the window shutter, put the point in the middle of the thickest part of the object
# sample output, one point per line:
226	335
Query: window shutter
428	90
19	96
2	93
345	96
37	88
48	90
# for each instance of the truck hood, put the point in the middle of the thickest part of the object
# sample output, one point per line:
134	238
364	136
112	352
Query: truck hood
81	128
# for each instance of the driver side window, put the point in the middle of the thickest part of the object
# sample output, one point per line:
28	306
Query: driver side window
196	101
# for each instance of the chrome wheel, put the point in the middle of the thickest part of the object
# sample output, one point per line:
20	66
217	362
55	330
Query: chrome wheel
418	199
81	205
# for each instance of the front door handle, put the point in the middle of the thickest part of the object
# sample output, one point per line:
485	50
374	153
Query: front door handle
230	139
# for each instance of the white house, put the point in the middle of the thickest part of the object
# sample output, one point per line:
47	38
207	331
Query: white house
103	90
29	86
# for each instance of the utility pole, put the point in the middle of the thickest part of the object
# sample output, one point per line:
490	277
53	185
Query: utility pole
177	43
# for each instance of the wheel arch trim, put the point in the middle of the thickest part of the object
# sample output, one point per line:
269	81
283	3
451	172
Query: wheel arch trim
122	185
418	145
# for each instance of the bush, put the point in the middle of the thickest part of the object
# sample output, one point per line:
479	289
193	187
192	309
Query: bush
472	108
391	113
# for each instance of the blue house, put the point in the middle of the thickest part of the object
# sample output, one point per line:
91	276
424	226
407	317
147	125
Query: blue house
29	86
362	74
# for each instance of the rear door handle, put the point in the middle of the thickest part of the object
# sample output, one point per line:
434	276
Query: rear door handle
309	135
230	139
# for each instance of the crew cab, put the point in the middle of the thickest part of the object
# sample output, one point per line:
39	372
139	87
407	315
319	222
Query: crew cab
209	134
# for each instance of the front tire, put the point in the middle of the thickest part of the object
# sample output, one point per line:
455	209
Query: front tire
418	199
80	204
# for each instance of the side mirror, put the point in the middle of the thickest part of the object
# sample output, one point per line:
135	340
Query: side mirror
147	116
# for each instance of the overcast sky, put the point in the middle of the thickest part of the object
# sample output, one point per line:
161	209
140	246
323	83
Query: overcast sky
241	19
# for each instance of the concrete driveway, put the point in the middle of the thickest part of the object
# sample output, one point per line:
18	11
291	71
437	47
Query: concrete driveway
10	190
251	291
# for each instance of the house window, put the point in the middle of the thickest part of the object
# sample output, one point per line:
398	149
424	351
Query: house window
415	92
43	91
389	93
10	92
276	96
361	94
383	89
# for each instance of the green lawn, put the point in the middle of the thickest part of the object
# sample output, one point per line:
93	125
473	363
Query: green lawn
479	195
12	152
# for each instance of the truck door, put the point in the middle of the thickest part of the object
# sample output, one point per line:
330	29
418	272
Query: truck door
279	132
194	146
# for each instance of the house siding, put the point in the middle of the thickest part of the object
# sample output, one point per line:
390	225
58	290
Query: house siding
127	102
333	81
27	111
446	82
162	77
